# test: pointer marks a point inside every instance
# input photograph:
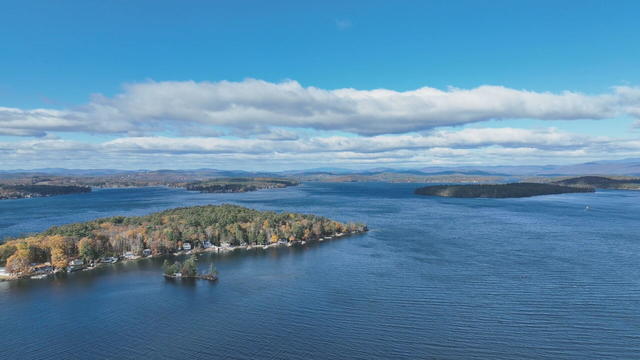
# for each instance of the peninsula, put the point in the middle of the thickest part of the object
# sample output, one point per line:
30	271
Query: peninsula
189	229
513	190
31	191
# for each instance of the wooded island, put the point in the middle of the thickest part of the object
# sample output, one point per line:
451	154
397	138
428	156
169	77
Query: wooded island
228	185
513	190
188	229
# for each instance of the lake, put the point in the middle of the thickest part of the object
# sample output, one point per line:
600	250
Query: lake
435	278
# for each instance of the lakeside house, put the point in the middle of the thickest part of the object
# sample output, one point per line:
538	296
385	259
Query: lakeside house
43	268
146	252
186	246
75	264
129	255
207	244
3	272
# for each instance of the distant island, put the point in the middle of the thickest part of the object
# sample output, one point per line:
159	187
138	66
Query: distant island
228	185
31	191
601	182
513	190
38	186
190	229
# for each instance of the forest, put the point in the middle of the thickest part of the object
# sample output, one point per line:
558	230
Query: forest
165	232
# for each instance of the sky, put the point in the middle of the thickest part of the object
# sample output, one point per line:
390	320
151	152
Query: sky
275	85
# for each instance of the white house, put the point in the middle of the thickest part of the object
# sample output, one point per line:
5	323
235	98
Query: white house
186	246
76	262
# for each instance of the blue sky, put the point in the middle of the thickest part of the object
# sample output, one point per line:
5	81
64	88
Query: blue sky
56	54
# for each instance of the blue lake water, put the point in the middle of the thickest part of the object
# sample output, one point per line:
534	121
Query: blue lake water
435	278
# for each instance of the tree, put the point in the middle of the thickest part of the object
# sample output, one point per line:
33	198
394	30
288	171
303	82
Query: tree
213	270
6	250
190	266
19	261
61	251
169	268
87	249
58	258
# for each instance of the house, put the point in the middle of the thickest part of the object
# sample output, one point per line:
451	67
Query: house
207	244
43	268
186	246
129	255
146	252
76	262
75	265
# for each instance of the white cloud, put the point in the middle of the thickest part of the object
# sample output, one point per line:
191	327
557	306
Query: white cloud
256	124
251	106
466	146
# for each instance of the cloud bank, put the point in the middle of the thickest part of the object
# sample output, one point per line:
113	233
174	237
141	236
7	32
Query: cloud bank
466	146
256	124
252	106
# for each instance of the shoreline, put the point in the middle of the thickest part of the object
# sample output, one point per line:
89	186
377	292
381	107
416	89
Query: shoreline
212	249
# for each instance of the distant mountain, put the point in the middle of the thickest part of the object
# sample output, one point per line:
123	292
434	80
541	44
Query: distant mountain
63	171
609	167
616	167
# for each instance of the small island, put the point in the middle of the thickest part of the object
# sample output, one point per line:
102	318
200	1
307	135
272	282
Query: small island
188	270
234	185
30	191
186	230
512	190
